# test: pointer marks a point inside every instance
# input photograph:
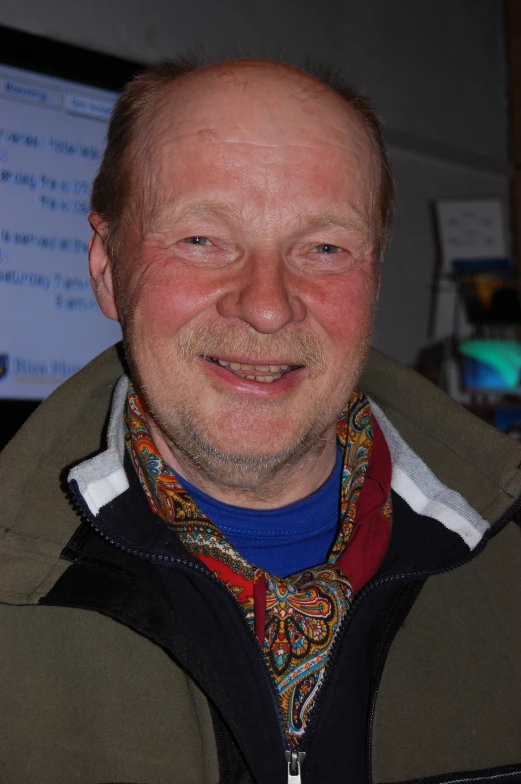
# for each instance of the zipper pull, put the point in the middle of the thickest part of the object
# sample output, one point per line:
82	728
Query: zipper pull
294	760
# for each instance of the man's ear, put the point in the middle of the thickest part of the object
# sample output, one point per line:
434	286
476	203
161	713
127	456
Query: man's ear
100	265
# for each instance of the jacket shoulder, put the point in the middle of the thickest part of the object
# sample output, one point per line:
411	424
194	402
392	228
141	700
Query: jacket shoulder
465	453
98	699
38	518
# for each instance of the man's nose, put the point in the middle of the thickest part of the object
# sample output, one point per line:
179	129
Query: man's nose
262	295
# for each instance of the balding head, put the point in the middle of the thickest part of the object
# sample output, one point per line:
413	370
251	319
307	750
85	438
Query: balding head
179	87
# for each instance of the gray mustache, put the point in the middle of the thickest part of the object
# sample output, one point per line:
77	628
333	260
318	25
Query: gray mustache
296	346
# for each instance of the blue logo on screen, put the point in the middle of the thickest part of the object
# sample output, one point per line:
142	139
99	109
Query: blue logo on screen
4	365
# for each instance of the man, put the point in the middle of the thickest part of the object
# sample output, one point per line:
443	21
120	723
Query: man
270	572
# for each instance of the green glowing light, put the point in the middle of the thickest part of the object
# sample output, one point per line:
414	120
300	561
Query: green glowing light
503	355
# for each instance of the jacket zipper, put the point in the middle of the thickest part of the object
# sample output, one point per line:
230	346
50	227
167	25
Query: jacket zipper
382	658
267	676
508	516
392	632
86	514
475	776
295	759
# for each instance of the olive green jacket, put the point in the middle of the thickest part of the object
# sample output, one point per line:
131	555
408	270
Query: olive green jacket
86	699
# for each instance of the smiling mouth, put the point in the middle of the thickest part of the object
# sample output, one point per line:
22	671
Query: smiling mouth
264	374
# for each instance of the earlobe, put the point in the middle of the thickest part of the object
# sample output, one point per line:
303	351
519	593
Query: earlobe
100	265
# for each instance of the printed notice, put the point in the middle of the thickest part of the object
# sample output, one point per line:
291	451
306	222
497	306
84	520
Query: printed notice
52	135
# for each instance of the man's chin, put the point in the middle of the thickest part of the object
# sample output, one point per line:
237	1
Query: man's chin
246	471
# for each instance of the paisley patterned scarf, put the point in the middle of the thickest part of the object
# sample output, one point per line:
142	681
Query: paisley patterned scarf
296	618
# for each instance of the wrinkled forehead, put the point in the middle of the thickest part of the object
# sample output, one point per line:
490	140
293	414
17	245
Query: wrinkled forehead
263	108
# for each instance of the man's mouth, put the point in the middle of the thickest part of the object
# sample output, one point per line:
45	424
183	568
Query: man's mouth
263	373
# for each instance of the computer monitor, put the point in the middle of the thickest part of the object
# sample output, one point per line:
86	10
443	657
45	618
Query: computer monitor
55	103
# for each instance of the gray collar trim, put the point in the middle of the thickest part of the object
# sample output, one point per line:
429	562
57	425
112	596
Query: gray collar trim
413	481
102	478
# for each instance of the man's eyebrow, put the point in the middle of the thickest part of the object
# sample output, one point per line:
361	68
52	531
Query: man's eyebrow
351	221
178	212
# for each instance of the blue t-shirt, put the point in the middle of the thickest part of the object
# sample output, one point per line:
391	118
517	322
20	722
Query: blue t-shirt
281	541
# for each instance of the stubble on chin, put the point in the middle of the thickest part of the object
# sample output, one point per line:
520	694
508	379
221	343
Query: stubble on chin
190	438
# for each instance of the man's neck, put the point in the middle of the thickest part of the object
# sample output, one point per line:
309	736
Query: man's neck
290	483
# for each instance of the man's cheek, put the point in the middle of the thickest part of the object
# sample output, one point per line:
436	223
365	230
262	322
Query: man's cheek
169	301
348	323
156	310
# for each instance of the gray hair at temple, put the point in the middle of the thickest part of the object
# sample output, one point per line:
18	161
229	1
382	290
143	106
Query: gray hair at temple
112	188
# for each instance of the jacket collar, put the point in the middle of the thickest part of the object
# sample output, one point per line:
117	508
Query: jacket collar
420	488
463	453
101	480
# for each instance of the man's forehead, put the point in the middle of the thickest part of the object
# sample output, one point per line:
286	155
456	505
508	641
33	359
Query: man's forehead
256	102
222	127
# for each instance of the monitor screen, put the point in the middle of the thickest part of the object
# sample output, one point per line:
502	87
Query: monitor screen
52	136
51	140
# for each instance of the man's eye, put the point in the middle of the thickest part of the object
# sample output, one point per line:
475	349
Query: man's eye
327	248
197	240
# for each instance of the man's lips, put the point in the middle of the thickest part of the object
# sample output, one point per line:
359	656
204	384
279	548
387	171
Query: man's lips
264	373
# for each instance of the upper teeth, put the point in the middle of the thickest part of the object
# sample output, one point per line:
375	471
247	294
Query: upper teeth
253	369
